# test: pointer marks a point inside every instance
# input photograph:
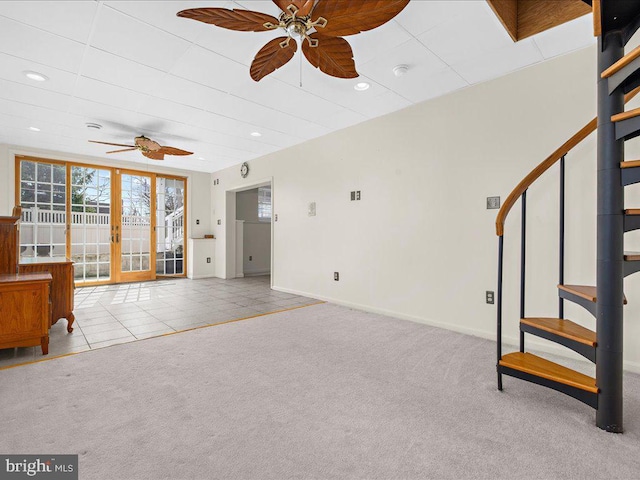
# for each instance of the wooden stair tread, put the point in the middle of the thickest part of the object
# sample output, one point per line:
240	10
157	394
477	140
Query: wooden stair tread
587	292
534	365
625	115
623	62
632	256
630	164
583	291
564	328
632	211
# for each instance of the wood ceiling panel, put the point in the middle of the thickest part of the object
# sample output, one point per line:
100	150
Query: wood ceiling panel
525	18
535	16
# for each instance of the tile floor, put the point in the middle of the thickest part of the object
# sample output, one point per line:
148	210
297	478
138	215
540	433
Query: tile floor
113	314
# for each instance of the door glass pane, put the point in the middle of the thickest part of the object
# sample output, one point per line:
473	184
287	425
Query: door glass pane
43	196
91	223
136	223
169	226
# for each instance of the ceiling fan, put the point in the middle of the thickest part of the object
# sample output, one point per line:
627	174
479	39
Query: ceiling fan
318	24
149	148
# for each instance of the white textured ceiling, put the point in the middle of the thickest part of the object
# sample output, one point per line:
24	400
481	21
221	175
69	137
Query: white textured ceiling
136	68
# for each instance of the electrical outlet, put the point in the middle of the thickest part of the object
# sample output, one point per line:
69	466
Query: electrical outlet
219	222
250	258
336	276
493	203
197	222
276	219
490	297
312	209
208	259
353	196
358	195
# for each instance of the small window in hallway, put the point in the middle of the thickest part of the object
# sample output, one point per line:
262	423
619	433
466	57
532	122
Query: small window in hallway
264	203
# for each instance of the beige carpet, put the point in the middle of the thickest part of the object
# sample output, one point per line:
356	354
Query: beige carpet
322	392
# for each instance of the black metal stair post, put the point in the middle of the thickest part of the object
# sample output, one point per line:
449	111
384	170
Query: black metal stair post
561	237
610	229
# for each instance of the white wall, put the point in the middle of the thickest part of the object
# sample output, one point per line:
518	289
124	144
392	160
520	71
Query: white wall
247	205
420	244
199	190
256	248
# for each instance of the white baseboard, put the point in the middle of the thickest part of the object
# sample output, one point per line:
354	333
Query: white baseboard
532	341
255	273
197	277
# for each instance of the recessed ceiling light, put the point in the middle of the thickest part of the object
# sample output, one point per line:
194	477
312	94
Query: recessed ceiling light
34	129
256	134
362	86
400	70
38	77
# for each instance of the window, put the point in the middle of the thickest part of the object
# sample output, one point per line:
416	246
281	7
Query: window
44	218
264	204
91	223
170	231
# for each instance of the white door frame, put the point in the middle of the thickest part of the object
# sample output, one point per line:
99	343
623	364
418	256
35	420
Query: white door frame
230	225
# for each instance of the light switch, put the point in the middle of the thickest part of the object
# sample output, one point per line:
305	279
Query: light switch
493	203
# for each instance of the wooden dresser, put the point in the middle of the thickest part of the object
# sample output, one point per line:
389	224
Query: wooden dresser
62	286
34	292
24	310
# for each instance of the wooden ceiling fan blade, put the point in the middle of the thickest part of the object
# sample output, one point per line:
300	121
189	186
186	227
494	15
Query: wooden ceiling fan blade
272	56
124	150
332	55
173	151
154	155
302	7
113	144
348	17
241	20
147	143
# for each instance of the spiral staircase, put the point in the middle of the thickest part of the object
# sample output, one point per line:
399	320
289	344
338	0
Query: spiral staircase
615	22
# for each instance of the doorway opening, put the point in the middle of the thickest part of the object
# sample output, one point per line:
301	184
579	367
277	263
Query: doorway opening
250	232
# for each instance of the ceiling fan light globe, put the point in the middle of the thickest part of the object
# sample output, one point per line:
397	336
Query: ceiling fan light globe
296	30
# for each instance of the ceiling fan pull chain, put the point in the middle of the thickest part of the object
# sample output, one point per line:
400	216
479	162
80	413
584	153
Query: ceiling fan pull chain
300	57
